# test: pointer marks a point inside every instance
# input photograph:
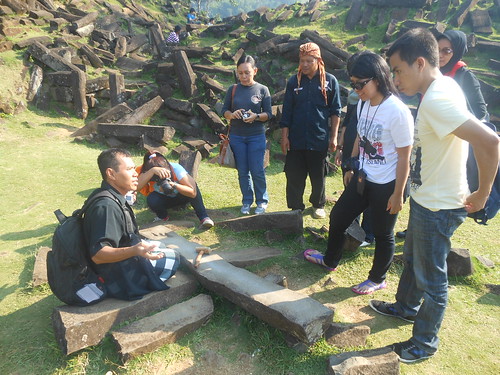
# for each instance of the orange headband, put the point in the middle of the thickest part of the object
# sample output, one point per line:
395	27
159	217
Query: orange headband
312	49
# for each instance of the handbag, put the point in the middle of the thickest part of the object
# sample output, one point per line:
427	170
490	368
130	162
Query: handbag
226	155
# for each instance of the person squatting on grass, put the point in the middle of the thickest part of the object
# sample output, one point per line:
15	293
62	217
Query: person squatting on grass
247	106
167	185
309	126
440	197
129	266
377	173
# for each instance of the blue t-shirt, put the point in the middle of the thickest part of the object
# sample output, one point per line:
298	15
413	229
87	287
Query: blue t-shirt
255	98
179	174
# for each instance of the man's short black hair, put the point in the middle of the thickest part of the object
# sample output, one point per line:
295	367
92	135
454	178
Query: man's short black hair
414	44
109	159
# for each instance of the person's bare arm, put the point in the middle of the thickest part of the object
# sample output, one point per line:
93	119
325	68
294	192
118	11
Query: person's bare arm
334	130
395	203
109	254
285	142
485	144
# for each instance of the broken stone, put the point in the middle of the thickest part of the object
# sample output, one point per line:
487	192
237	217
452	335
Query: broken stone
165	327
367	362
40	269
250	256
287	221
76	328
277	279
159	134
485	261
292	312
345	335
459	262
110	115
185	74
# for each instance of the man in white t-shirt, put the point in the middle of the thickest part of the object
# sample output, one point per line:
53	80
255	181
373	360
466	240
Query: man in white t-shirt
440	198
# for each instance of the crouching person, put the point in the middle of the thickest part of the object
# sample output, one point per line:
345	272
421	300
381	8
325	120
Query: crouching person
129	267
168	185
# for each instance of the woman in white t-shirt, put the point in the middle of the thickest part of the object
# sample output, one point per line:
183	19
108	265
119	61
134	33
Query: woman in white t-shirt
378	170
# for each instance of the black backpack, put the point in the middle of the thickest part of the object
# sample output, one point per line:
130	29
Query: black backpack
69	269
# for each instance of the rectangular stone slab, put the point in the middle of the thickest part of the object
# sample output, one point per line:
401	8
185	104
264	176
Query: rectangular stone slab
287	221
290	311
76	327
250	256
165	327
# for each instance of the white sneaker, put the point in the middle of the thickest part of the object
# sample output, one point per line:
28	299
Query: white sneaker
207	223
261	208
245	209
319	213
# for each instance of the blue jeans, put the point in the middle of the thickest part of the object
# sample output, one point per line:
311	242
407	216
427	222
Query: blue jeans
423	287
159	203
249	155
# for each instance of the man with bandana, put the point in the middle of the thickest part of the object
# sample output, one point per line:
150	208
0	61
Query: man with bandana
309	126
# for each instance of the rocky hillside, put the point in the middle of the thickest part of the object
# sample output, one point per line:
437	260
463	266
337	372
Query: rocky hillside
107	62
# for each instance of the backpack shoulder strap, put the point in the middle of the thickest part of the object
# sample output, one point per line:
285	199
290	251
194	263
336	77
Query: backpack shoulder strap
125	210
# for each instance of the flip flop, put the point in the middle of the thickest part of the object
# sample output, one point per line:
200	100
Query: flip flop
368	287
314	256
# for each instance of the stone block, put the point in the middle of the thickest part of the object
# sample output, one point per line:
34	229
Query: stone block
459	263
287	310
76	328
165	327
381	361
40	269
344	335
287	221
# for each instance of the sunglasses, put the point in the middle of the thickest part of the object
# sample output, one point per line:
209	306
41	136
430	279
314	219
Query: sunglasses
446	51
360	85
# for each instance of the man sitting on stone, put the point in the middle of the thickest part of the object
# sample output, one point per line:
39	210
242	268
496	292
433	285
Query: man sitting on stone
129	267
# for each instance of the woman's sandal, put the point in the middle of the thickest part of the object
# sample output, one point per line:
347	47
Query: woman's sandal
314	256
368	287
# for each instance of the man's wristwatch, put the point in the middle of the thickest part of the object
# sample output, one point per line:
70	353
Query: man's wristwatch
258	116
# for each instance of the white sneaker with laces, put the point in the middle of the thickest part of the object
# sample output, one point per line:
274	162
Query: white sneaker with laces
245	209
319	213
261	208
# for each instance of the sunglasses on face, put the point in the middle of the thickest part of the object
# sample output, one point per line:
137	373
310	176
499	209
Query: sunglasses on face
446	51
360	84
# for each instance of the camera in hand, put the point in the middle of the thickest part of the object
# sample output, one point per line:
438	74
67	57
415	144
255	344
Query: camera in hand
164	183
245	115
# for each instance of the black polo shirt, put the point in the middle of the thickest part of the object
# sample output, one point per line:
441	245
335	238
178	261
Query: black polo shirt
306	114
104	224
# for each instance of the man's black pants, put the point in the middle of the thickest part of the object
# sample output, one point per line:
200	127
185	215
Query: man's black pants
298	165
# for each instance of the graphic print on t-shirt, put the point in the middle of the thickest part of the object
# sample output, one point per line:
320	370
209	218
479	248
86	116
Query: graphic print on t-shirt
372	151
256	99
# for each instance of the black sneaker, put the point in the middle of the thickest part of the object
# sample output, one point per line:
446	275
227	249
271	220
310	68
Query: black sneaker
401	234
388	309
408	352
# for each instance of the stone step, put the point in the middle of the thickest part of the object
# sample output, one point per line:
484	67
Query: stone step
295	313
165	327
76	327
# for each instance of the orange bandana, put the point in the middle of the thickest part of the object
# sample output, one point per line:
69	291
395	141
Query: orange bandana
312	49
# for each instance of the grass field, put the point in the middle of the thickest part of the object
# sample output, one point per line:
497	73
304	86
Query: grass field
42	169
